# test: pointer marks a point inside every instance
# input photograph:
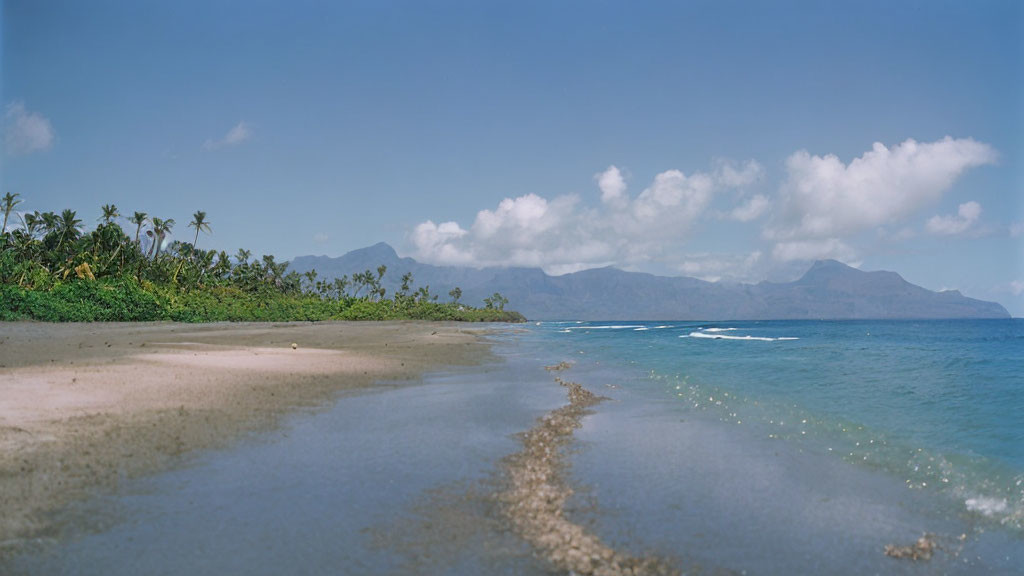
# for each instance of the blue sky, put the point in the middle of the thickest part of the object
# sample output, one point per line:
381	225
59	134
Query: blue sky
725	140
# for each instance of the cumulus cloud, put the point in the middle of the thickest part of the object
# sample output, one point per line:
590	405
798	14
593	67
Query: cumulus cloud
238	134
26	132
565	233
824	200
612	185
964	219
821	209
752	209
824	197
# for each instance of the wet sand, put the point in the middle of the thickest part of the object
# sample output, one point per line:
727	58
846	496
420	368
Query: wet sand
86	406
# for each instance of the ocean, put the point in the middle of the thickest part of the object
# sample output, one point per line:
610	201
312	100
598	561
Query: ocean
804	446
784	447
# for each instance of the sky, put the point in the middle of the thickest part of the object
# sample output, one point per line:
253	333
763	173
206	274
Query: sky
734	141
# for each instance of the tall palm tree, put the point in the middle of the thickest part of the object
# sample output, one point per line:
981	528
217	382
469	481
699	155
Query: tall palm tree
50	222
110	213
199	223
68	228
139	219
159	229
9	202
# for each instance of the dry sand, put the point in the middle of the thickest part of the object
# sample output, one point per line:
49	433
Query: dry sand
85	406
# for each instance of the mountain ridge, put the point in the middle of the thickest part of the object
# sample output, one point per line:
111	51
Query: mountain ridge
828	290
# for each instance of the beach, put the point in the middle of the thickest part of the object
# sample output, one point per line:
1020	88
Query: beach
87	406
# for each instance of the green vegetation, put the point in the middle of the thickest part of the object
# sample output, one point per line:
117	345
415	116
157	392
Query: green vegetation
52	270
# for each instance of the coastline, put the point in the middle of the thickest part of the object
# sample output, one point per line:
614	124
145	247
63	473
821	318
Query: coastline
86	406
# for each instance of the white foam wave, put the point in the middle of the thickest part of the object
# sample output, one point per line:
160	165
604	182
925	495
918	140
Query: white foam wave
986	506
719	329
724	337
611	327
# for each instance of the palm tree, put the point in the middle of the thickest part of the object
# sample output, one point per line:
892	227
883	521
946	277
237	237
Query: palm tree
139	219
168	225
199	223
50	222
68	228
9	203
110	213
31	222
159	229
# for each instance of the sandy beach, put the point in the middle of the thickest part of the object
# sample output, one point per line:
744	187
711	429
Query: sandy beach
86	406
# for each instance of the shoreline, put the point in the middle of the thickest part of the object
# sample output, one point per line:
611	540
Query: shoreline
85	406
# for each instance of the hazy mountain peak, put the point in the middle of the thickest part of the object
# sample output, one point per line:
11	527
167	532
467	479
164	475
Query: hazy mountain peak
381	250
828	267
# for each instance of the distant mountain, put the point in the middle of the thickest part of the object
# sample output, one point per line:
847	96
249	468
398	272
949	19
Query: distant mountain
829	290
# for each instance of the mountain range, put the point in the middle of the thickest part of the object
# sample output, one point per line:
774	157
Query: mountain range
828	290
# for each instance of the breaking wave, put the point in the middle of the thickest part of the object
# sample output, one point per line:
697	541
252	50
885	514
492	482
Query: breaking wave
717	336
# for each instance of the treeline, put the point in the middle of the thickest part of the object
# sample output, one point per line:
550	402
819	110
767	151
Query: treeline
52	269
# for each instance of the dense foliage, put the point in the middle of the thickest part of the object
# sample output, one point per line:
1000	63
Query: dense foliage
51	269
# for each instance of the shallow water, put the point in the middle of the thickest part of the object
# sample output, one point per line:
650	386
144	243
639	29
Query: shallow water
787	448
392	480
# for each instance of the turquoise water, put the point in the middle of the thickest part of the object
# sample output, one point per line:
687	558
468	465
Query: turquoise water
802	447
938	404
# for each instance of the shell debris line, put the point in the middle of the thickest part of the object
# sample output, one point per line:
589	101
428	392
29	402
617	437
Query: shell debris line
920	550
536	496
563	365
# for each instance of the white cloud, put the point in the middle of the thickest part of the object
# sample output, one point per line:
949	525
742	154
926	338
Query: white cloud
564	234
441	243
752	209
824	198
1016	229
1017	287
238	134
612	185
26	132
673	193
822	207
965	218
320	237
